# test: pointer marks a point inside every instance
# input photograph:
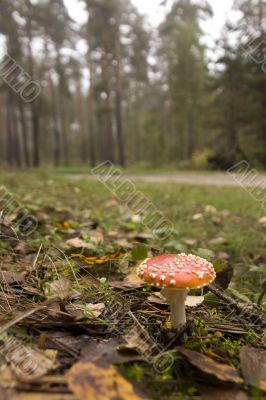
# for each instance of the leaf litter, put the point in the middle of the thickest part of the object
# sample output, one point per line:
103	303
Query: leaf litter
68	295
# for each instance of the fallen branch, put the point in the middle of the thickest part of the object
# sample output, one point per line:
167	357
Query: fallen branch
250	315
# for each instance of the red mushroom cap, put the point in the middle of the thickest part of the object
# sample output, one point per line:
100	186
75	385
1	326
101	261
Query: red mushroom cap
177	271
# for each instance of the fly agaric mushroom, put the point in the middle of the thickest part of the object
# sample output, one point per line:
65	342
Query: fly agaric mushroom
177	274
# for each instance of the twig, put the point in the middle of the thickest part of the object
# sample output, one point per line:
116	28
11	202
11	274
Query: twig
26	314
244	313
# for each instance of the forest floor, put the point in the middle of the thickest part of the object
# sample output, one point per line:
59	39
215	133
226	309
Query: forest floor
71	302
193	178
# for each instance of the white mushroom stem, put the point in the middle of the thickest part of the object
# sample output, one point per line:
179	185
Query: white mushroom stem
176	298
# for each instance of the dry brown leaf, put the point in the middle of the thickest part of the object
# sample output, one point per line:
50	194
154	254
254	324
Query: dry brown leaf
213	393
209	209
77	243
262	221
221	371
38	396
91	381
109	351
85	310
194	301
253	365
7	277
218	240
197	217
138	339
61	287
190	241
26	363
3	394
42	363
131	281
157	298
96	237
191	301
95	309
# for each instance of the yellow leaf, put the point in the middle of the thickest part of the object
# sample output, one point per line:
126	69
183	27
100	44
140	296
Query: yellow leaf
91	260
91	381
212	354
221	371
167	324
64	225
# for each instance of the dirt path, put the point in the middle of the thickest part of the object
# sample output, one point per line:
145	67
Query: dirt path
195	178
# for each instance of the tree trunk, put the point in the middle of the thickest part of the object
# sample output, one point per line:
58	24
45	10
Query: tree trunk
119	120
80	114
91	112
62	108
25	148
34	103
108	144
54	112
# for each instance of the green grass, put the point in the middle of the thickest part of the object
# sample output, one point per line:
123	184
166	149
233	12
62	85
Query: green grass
233	221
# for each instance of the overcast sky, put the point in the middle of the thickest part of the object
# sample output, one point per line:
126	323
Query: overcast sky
155	13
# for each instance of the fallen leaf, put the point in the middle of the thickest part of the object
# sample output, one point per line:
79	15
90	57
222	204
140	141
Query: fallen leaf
7	277
225	213
123	243
191	301
95	309
157	298
190	242
131	281
210	209
109	351
253	365
214	355
223	255
96	237
262	221
38	396
217	241
212	393
221	371
91	381
197	217
27	363
21	247
139	339
85	310
77	243
63	225
61	287
3	394
92	260
194	301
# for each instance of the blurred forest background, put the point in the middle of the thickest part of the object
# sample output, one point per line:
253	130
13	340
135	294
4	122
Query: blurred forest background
140	96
